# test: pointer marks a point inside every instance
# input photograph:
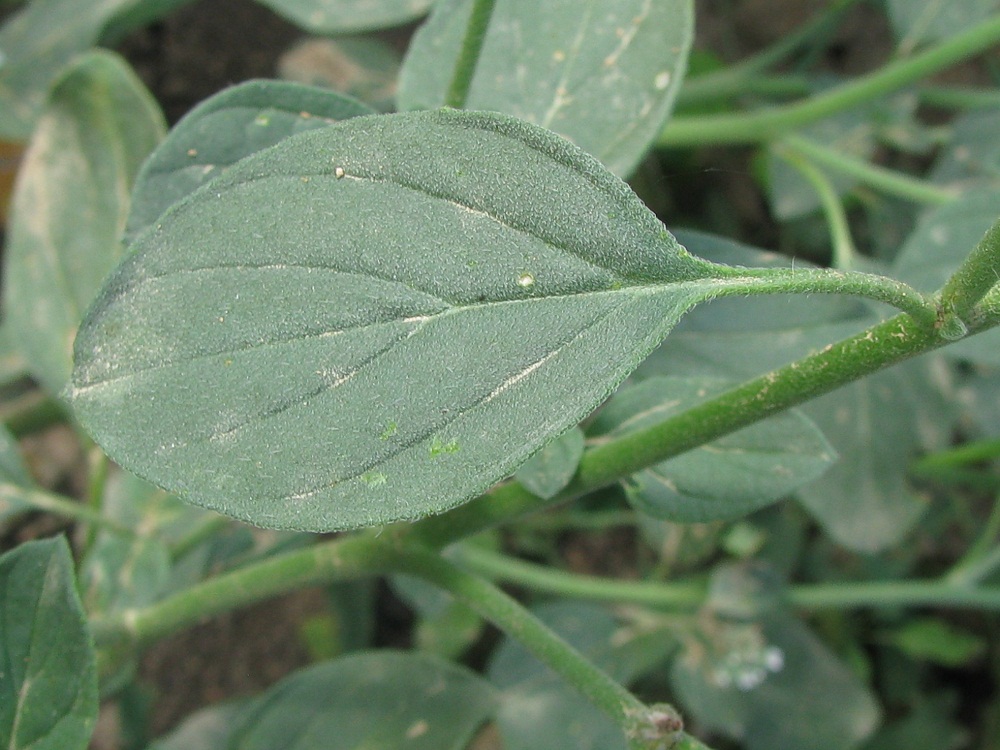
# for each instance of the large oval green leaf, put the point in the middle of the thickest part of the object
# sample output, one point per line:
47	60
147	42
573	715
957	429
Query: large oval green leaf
602	74
70	204
377	320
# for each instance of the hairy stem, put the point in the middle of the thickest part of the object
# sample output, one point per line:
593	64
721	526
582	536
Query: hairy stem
748	281
768	124
977	275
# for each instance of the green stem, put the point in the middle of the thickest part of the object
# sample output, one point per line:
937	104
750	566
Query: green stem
768	124
689	596
949	476
97	479
880	178
871	350
15	498
342	558
955	97
971	572
962	455
32	413
894	594
365	555
720	88
201	533
684	596
579	520
468	56
978	274
745	281
836	218
512	618
735	78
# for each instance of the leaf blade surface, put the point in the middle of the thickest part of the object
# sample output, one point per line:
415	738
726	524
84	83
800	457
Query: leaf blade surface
48	673
602	74
223	129
384	317
70	205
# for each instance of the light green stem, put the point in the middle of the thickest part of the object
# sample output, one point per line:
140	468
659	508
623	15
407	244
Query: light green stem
15	498
97	479
768	124
468	56
542	578
511	617
344	558
365	555
971	571
886	180
739	281
32	413
894	594
730	87
689	596
955	97
978	274
735	78
836	218
962	455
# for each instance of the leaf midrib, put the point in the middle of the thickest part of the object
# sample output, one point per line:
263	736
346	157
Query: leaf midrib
451	309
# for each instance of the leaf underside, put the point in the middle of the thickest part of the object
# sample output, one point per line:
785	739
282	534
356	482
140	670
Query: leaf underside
376	321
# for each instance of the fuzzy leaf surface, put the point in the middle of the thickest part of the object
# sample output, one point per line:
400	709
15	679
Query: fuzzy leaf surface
220	131
602	74
727	478
70	206
48	673
377	320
